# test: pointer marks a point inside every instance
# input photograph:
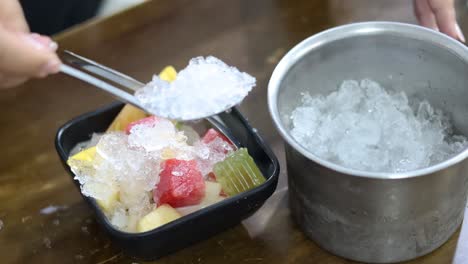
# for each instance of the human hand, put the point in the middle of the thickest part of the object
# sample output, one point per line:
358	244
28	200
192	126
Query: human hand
23	55
438	15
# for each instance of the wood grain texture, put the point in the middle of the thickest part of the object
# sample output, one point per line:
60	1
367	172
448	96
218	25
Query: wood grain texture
252	35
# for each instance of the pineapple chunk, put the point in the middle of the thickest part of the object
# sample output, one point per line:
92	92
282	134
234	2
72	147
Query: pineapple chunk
82	163
160	216
212	191
212	196
130	113
109	202
106	196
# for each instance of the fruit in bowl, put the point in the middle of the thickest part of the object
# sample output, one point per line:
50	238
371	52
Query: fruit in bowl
147	171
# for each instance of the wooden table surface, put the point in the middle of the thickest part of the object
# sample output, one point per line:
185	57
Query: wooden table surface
43	218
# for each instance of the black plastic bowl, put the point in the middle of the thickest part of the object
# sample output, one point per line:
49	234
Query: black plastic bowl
193	227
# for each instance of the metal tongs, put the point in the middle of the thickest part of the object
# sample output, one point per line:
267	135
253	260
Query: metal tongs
107	74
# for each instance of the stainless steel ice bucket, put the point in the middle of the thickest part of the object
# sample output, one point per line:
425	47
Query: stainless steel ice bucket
359	215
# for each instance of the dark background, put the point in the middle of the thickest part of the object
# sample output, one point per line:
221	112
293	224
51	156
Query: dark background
52	16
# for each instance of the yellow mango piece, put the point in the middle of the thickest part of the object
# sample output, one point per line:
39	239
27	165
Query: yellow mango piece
130	114
168	74
127	115
84	155
158	217
83	160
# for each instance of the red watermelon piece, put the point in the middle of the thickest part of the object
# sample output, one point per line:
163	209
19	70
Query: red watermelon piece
212	134
181	184
151	120
217	142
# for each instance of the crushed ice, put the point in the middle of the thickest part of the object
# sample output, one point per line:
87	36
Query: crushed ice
205	87
364	127
130	165
208	154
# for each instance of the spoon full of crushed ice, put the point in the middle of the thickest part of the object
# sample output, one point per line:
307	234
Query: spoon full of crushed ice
207	86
